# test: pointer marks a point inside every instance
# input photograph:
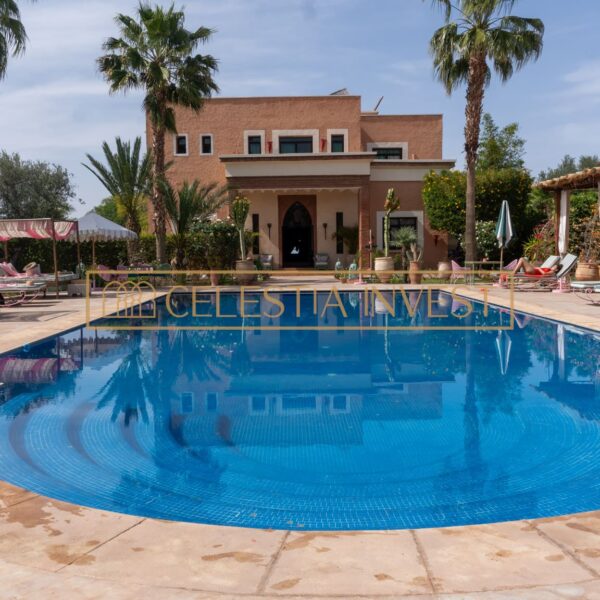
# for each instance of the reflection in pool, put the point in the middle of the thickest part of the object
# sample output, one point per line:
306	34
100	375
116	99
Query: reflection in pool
302	429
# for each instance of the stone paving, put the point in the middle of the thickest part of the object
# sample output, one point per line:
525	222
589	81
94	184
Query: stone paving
49	549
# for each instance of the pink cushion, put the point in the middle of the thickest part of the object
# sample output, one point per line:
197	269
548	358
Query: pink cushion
9	269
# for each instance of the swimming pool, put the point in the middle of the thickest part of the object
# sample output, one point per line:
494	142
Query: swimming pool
310	429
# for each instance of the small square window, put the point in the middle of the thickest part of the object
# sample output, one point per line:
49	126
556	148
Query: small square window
340	403
254	144
211	402
181	146
259	404
206	144
337	143
187	402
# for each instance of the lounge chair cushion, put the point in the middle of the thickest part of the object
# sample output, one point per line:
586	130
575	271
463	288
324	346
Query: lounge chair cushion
9	269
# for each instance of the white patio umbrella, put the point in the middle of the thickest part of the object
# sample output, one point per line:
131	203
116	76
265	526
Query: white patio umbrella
96	228
504	230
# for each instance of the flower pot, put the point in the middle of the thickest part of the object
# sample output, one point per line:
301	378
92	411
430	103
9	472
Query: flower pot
245	265
414	272
214	278
444	269
382	264
587	271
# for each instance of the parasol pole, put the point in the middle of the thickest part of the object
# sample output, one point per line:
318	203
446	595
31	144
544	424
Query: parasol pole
54	253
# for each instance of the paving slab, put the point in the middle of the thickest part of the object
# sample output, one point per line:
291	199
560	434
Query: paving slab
192	556
347	563
495	557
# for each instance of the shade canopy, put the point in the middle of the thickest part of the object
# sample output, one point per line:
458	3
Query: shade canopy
37	229
95	228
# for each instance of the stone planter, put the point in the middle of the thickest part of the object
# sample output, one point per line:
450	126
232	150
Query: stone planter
384	263
245	265
587	271
444	269
414	274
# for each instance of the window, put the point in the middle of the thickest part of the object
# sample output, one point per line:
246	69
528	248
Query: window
295	145
181	145
337	143
389	153
339	223
255	231
211	402
206	144
399	222
254	144
339	403
258	404
187	402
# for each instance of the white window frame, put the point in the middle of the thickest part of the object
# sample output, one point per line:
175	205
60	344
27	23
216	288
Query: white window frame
332	132
279	133
339	411
187	144
252	133
372	147
212	144
418	214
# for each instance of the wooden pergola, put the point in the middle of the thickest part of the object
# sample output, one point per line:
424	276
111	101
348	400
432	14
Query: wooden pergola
562	187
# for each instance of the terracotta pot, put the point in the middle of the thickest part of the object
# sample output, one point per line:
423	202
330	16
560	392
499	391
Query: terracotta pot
245	265
587	271
444	269
414	273
384	263
214	279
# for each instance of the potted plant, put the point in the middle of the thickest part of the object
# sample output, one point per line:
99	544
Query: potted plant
240	208
414	255
384	265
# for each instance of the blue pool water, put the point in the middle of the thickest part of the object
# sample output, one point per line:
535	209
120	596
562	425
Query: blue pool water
311	429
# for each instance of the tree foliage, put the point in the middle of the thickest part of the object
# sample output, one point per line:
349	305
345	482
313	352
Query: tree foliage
444	198
12	33
500	148
570	164
156	53
34	189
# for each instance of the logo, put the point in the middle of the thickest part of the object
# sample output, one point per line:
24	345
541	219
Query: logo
126	299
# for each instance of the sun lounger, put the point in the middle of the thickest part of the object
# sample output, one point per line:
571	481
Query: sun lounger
586	290
548	281
12	294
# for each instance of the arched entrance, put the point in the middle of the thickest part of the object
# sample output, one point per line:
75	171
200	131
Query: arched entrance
297	237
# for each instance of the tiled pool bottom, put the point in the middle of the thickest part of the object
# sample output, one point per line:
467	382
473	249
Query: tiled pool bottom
309	430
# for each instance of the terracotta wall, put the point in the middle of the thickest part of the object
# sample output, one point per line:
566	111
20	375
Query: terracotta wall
227	119
423	133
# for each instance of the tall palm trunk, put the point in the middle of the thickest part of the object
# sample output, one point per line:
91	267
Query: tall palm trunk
158	174
475	93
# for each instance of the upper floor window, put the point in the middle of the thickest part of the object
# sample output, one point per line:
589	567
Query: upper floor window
206	144
397	223
337	143
389	153
254	144
296	145
181	145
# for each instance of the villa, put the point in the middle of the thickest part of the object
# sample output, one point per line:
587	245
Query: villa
311	165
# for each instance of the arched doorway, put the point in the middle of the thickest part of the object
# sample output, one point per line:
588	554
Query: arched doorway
297	237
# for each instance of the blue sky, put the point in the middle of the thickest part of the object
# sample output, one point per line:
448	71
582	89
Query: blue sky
54	105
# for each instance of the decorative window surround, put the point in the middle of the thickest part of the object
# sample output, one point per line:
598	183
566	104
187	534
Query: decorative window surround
332	132
187	144
418	214
255	132
279	133
372	147
212	144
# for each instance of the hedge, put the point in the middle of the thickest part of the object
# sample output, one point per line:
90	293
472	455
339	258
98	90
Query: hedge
444	198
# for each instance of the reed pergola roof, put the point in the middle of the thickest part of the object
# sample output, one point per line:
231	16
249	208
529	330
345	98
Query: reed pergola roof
587	179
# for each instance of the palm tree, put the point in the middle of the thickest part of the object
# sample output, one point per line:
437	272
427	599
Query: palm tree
188	205
155	53
477	34
126	177
12	33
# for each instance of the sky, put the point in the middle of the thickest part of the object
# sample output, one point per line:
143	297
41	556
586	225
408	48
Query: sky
55	107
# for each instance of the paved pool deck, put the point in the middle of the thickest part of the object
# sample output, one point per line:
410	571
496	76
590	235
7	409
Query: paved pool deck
52	549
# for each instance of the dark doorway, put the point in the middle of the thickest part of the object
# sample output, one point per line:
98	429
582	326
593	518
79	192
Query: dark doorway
297	237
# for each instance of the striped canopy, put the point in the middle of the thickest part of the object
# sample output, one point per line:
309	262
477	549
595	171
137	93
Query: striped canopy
38	229
95	228
504	228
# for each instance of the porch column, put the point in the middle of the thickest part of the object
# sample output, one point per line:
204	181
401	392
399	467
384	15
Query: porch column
562	199
364	224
